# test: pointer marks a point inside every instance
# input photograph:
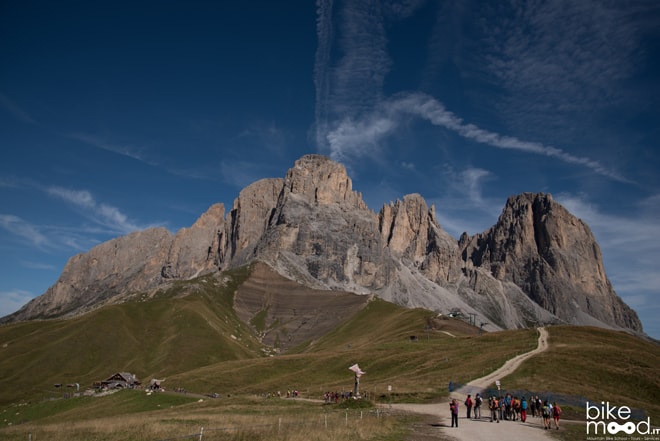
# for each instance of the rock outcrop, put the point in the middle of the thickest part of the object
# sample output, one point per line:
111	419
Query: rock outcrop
412	232
127	264
538	264
249	219
198	249
322	232
553	257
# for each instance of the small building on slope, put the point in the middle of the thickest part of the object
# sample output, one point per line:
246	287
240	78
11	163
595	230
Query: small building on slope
121	380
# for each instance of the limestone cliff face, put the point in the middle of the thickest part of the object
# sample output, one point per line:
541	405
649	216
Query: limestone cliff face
410	230
322	232
127	264
538	264
131	264
197	249
249	219
553	257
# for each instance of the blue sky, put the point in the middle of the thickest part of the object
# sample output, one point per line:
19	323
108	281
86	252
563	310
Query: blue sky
117	116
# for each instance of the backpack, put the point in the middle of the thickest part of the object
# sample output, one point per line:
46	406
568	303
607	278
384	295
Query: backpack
546	411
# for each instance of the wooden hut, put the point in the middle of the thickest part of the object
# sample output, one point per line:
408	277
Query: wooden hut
121	380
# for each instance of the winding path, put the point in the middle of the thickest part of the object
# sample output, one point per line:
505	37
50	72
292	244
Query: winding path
507	368
438	427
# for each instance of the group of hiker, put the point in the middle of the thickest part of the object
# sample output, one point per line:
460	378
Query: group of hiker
509	408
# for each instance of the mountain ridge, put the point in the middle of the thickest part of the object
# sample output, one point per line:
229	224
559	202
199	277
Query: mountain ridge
537	265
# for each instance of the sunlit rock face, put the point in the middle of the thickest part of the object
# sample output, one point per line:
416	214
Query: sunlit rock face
538	264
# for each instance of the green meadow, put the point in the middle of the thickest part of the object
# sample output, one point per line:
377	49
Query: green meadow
190	336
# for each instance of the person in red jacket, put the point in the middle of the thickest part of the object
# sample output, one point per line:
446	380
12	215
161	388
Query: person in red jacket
468	405
556	413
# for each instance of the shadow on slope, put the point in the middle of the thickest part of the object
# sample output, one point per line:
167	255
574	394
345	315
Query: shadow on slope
285	313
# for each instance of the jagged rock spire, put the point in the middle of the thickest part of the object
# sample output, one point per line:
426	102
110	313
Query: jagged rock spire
537	264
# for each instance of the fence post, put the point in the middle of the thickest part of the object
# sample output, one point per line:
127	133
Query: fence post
279	425
201	434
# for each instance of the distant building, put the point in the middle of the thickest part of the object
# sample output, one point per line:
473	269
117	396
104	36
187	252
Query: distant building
155	384
121	380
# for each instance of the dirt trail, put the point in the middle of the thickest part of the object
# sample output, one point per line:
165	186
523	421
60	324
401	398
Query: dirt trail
437	426
509	367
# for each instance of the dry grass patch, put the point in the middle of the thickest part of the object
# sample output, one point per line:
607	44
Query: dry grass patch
242	419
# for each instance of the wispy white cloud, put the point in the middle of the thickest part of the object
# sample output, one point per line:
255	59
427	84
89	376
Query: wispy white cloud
353	85
401	9
50	238
568	54
15	110
353	138
106	221
463	207
140	154
473	179
9	182
12	301
101	213
124	150
80	198
434	111
324	33
359	76
353	116
23	229
38	265
560	65
650	206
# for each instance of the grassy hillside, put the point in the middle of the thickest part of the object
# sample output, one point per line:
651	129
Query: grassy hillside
598	365
189	325
378	338
191	335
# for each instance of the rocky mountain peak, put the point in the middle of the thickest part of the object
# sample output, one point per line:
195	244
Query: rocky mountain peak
321	181
552	256
537	264
212	217
407	225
